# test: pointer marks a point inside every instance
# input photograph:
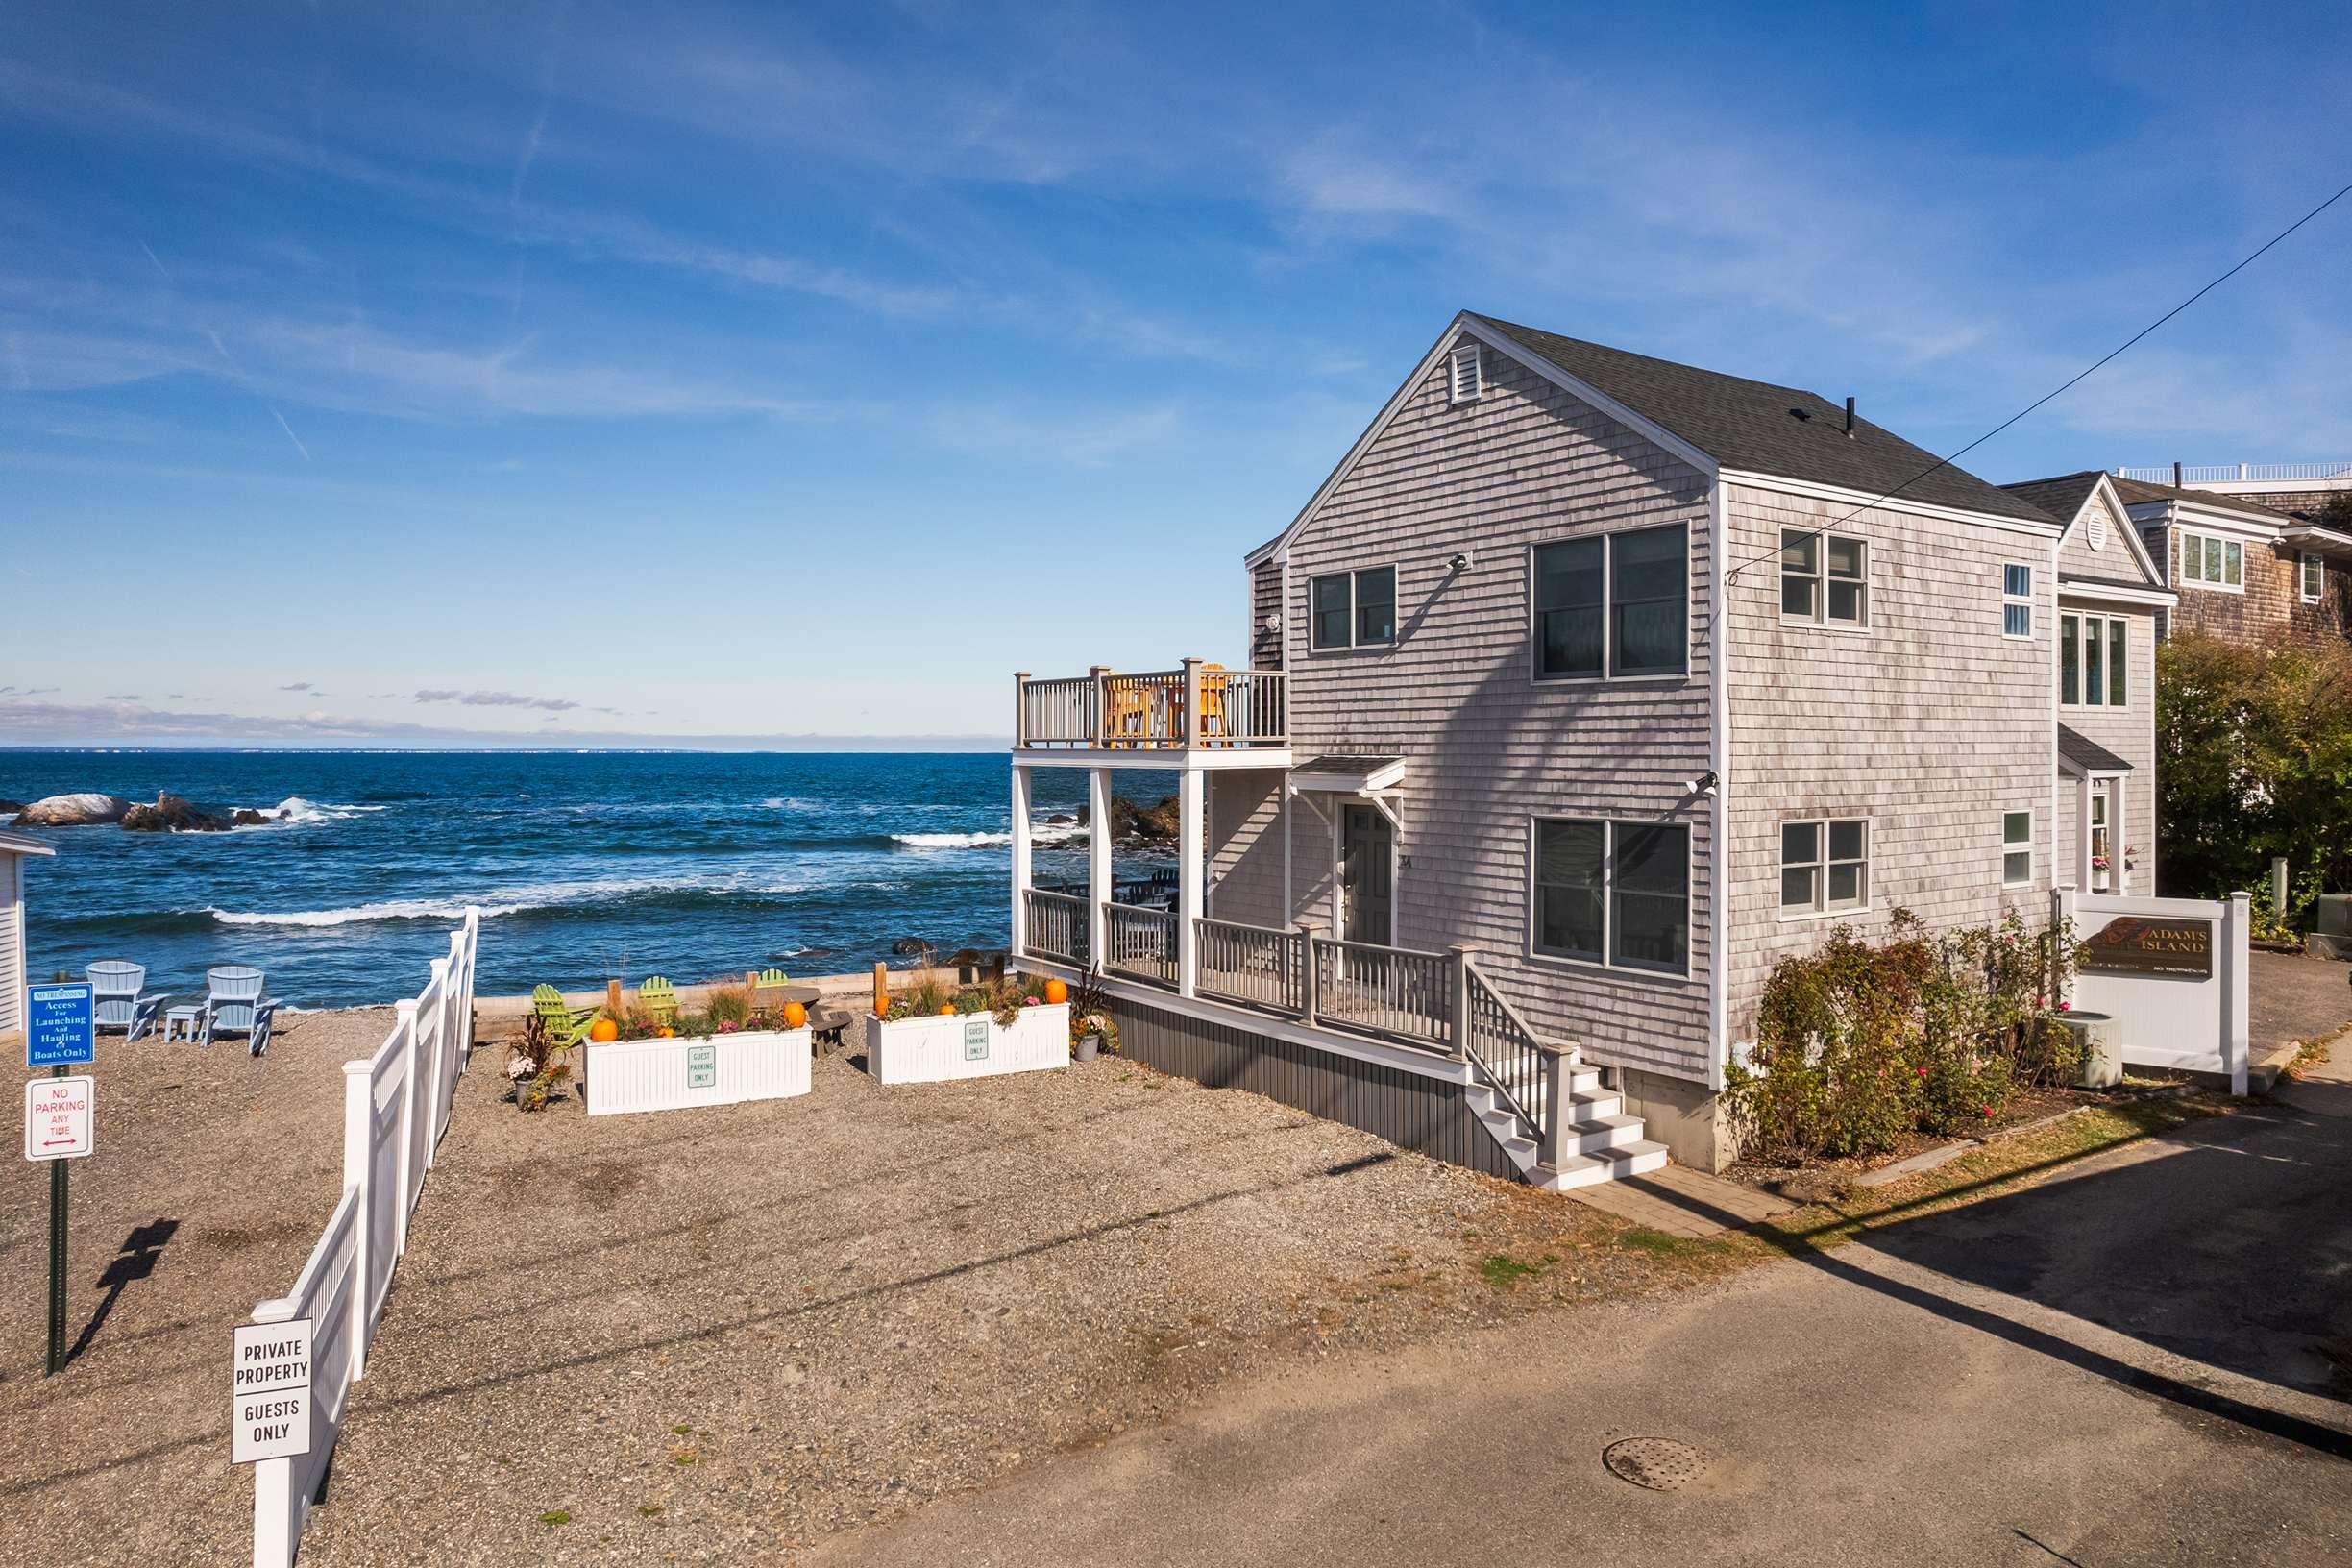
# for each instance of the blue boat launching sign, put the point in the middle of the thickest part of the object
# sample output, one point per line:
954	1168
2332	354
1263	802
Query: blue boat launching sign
60	1027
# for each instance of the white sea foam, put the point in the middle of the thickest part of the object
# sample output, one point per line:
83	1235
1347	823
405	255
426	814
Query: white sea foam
296	811
506	900
1062	833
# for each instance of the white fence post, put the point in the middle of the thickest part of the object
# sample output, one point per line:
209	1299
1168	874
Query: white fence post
435	1063
2236	926
358	1128
406	1030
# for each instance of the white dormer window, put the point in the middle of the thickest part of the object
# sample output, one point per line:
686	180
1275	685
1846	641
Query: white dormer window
1468	383
2096	526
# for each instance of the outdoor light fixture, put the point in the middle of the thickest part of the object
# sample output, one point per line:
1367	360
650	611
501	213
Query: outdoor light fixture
1704	784
1460	561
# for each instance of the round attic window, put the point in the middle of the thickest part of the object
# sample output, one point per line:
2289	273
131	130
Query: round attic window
2096	524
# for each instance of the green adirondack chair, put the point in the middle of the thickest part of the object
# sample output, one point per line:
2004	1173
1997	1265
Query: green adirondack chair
765	987
567	1025
657	997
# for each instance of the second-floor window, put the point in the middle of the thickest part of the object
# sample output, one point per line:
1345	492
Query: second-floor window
1616	604
2017	601
1824	866
1823	578
2093	660
1356	610
2311	577
2017	848
2212	562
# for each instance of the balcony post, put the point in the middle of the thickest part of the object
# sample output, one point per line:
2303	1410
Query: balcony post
1098	864
1191	837
1306	974
1021	860
1460	972
1102	703
1191	704
1020	709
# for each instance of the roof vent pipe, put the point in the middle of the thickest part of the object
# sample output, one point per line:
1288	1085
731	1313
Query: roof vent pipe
1850	419
2176	477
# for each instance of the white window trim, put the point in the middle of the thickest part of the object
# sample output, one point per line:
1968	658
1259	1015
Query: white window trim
1536	671
2032	831
1465	355
2305	560
1608	884
2227	543
1820	620
1351	646
1823	909
2082	666
2008	598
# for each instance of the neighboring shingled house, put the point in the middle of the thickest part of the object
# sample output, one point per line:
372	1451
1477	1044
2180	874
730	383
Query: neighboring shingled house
2245	571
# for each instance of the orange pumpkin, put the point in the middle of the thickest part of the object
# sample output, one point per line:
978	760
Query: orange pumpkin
1056	991
947	1011
603	1029
794	1014
665	1032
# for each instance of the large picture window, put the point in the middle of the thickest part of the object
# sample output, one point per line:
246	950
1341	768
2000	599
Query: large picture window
1355	609
2093	661
1613	892
1613	604
1825	864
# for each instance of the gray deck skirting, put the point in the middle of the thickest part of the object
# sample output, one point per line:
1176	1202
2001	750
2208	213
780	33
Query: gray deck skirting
1425	1115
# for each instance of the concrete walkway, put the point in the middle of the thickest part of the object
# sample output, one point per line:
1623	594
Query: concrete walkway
2143	1358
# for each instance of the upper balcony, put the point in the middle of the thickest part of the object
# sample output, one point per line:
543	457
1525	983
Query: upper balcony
1202	709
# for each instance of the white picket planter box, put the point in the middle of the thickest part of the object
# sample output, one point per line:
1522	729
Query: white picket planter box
934	1050
627	1075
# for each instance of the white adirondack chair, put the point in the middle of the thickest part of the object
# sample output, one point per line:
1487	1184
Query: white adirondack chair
235	1006
121	1003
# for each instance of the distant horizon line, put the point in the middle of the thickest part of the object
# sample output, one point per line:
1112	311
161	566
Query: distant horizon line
814	746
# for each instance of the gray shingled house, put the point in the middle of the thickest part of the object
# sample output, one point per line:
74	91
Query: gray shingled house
1587	686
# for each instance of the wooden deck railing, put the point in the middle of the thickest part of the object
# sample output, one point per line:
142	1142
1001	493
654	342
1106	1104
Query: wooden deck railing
1254	965
1055	926
1201	706
1139	942
1506	1052
1392	991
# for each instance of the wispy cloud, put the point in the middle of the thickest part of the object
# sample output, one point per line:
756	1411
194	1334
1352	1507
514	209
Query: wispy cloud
295	686
498	699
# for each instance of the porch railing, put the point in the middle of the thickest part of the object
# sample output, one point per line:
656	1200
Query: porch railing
1395	992
2235	472
1161	710
1056	925
1139	942
1255	964
1506	1053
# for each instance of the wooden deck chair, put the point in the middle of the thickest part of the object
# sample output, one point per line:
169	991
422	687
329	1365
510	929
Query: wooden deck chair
117	991
234	1004
657	997
1130	711
1212	700
567	1025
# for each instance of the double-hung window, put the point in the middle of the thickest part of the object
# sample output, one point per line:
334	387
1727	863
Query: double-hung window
1615	604
1825	864
2093	661
2017	848
1613	892
1824	579
2311	576
2017	601
2210	561
1356	610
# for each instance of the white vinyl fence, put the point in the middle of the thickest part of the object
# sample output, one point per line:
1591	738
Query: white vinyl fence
2173	973
396	1106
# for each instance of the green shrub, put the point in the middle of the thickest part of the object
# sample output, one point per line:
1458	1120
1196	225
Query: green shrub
729	1004
1859	1045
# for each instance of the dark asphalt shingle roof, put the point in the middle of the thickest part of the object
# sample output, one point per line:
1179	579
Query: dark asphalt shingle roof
2061	496
2088	754
2136	494
1747	425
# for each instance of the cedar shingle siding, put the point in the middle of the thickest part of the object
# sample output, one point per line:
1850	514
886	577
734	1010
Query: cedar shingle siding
1487	748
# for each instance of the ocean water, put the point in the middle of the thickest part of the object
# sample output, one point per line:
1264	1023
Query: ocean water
586	865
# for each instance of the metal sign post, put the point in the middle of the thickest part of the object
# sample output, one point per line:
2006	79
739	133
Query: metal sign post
60	1030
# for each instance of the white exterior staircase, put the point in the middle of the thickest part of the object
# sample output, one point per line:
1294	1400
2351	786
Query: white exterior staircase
1601	1143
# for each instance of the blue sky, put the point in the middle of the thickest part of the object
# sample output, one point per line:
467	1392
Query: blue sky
556	372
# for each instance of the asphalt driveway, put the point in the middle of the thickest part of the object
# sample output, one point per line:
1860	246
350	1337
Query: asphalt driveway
2142	1359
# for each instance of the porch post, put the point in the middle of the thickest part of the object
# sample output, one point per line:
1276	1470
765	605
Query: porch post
2082	834
1191	704
2118	835
1021	860
1307	976
1552	1125
1458	972
1190	835
1020	709
1098	864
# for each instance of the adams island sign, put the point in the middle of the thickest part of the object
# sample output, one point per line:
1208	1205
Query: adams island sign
2144	944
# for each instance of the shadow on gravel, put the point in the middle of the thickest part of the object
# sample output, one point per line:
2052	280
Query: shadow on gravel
135	1259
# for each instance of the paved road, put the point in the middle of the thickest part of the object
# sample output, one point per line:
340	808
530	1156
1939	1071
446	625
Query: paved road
2129	1363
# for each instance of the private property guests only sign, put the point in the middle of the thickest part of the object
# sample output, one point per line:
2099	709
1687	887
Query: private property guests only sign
270	1393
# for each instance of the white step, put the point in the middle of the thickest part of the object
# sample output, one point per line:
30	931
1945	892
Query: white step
1608	1166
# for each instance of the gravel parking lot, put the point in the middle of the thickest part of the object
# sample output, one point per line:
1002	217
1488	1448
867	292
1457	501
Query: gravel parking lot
712	1335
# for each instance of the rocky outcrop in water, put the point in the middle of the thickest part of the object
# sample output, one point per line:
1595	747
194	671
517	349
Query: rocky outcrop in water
73	811
247	817
175	813
1130	824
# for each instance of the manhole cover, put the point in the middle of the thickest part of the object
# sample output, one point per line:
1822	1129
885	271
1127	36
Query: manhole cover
1659	1464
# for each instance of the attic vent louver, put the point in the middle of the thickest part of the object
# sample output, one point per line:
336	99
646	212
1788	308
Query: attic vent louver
1467	380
